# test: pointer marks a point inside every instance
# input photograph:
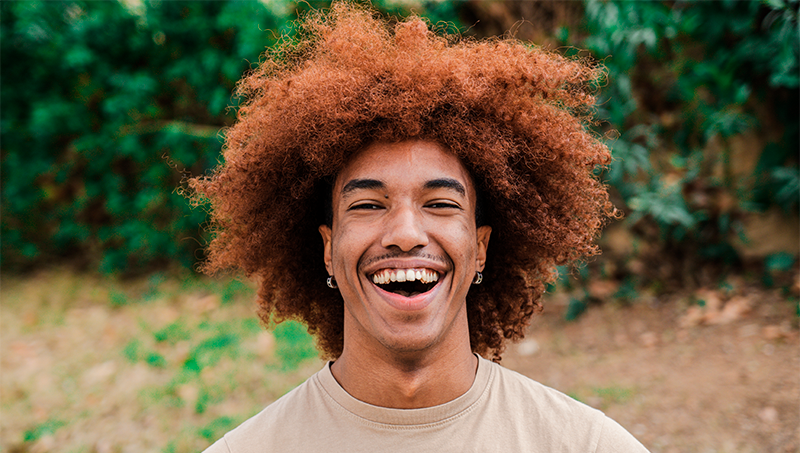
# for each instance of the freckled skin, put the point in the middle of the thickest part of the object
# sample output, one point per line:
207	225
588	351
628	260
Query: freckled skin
387	213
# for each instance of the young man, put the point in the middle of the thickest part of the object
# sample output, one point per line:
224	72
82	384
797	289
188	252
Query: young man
409	154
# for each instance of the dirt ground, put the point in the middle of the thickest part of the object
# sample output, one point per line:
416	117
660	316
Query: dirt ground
90	365
678	384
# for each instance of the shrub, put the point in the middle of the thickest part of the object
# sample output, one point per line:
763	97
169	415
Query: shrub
105	108
685	80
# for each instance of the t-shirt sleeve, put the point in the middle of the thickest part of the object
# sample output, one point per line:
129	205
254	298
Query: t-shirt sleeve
219	446
615	439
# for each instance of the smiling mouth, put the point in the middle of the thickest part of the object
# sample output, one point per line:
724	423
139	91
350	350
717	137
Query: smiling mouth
406	282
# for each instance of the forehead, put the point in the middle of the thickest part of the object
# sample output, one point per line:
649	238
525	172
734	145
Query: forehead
412	162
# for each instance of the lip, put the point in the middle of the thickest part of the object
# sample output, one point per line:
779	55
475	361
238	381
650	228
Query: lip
402	303
414	303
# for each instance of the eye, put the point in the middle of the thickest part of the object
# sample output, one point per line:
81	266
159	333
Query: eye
442	205
365	206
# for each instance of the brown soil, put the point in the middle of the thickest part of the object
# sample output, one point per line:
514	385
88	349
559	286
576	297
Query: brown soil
724	378
728	387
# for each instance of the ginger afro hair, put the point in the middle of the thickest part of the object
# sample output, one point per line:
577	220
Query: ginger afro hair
516	116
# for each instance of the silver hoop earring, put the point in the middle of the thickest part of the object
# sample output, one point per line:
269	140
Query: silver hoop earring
332	282
478	278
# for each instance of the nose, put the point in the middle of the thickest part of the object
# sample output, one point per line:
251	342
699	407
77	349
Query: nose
404	229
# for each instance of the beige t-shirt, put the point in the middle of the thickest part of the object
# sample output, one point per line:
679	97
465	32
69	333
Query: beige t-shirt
503	411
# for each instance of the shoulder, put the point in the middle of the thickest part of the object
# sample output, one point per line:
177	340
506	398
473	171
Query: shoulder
554	418
278	421
522	391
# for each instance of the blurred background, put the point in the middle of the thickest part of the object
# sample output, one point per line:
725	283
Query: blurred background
111	342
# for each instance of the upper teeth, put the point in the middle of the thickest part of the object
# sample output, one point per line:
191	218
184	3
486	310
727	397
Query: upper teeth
385	276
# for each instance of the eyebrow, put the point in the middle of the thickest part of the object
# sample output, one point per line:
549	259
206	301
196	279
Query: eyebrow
355	184
446	183
372	184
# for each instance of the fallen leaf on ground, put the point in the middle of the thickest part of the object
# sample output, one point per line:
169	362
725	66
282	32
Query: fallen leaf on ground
202	303
714	312
649	339
772	332
265	344
693	317
769	414
528	347
734	310
602	289
796	286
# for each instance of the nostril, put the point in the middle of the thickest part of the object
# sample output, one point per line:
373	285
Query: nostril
404	231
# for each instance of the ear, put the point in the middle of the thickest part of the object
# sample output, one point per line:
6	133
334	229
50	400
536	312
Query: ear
325	232
483	243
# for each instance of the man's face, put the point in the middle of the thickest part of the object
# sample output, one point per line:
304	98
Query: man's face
404	246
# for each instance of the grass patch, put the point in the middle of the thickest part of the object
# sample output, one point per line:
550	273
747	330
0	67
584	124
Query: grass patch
233	290
210	351
293	344
132	350
574	396
173	333
180	373
217	428
616	395
47	428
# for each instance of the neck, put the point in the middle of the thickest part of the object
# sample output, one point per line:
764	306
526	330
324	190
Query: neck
407	380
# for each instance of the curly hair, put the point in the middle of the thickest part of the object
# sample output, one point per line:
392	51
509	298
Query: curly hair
517	116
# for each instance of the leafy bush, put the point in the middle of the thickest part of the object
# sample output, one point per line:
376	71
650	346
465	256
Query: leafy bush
108	105
684	80
105	107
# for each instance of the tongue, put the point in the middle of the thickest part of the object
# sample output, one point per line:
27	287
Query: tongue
406	293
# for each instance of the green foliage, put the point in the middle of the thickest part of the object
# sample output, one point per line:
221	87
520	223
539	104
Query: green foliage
217	428
109	105
210	351
779	265
779	262
613	394
783	185
575	309
203	400
134	351
683	80
172	333
233	290
665	204
442	15
117	298
105	108
47	428
155	360
293	344
627	291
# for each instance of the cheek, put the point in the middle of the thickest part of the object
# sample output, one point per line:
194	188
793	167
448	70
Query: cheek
348	246
338	253
460	242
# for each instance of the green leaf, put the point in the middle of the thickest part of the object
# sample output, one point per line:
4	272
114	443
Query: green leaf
575	309
293	344
47	428
781	261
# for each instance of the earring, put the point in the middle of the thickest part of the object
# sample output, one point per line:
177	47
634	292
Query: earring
478	278
332	282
